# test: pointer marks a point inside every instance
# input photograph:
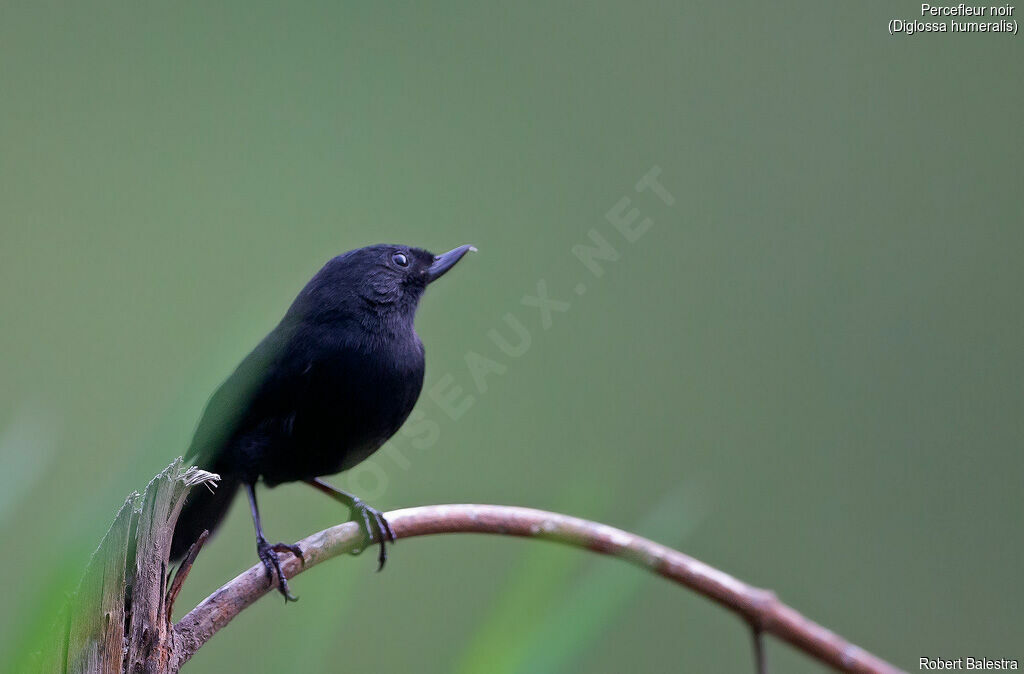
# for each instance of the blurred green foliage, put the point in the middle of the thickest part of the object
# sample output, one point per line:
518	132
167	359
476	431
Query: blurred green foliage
825	327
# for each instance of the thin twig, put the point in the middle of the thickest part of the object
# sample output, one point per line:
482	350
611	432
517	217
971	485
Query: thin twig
183	569
760	658
757	607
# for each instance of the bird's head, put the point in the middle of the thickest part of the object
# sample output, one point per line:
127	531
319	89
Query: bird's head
385	280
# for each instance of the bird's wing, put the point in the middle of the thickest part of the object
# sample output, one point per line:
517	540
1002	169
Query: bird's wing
241	402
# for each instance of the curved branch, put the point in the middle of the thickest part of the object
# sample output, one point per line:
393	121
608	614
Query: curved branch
760	608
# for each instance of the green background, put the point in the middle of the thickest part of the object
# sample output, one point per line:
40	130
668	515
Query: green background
807	372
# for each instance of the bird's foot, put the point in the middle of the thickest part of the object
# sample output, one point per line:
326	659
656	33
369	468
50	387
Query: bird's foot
268	555
375	527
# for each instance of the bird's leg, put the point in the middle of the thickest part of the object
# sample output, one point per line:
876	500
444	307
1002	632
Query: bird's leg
268	553
373	523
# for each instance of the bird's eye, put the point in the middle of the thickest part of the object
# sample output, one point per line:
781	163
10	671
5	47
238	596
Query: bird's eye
400	259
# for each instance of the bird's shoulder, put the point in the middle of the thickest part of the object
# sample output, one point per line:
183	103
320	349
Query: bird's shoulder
287	366
244	398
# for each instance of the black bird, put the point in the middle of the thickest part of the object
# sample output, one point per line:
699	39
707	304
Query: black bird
324	390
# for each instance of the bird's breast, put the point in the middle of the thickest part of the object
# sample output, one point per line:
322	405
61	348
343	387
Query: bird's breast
349	405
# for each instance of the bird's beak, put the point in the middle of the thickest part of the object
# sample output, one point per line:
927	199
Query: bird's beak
445	261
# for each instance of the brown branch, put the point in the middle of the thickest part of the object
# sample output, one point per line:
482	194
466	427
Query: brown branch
760	608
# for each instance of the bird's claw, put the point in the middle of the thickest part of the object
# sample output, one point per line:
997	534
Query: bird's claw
268	555
376	529
288	547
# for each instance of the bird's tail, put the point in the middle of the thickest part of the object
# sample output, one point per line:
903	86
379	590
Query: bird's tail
203	510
